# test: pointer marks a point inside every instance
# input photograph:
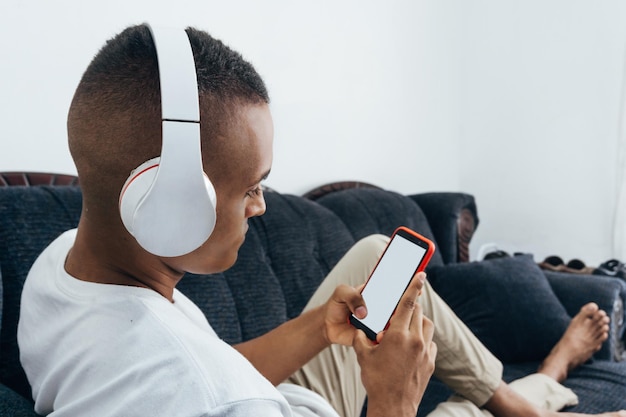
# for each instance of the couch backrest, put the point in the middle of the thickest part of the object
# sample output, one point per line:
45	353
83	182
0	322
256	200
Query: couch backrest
30	218
367	211
286	254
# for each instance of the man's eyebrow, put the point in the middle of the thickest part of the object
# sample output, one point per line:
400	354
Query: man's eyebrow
264	177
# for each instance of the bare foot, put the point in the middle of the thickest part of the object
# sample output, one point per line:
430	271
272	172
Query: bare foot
506	402
584	336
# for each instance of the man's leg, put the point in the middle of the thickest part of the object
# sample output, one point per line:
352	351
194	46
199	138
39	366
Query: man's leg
541	394
335	373
527	395
462	361
583	337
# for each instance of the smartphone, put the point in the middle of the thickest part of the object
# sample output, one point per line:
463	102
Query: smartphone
406	254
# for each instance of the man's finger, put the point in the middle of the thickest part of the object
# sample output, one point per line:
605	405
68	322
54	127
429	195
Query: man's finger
404	312
428	329
433	350
352	298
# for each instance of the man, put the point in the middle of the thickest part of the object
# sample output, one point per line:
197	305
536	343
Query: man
103	331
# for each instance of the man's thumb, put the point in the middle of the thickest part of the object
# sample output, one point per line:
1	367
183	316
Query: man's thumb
361	343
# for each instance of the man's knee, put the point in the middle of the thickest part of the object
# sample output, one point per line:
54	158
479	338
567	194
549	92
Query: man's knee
358	263
373	244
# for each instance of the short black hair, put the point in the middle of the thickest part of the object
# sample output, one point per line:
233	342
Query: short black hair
222	71
129	59
114	119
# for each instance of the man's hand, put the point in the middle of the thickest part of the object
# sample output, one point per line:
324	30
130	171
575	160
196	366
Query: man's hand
395	371
344	301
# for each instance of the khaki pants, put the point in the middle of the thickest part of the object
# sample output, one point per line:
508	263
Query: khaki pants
463	363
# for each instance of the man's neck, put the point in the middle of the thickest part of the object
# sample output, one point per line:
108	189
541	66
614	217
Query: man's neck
96	258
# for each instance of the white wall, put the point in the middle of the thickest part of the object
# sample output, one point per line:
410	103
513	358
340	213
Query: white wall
542	84
515	102
348	81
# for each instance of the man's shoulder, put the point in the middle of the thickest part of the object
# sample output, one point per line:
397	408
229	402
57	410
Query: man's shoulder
115	339
137	341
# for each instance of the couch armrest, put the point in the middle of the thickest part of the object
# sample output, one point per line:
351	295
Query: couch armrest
609	293
453	218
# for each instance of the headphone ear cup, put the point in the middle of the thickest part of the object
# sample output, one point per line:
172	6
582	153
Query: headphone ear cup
163	223
212	202
134	191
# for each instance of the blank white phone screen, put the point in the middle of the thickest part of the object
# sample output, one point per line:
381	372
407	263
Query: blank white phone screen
389	280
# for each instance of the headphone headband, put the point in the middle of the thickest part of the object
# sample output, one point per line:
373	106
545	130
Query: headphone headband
177	75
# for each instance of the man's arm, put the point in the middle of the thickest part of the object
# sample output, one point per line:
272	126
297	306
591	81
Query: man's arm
282	351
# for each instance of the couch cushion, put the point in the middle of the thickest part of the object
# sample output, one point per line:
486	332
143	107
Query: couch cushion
31	218
14	405
507	303
367	211
575	291
600	386
1	298
214	297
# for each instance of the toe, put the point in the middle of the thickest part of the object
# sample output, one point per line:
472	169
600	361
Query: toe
589	308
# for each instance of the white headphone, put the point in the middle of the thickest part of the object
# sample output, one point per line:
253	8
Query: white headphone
168	203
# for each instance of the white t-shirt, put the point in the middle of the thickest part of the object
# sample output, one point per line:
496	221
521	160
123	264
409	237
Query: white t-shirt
107	350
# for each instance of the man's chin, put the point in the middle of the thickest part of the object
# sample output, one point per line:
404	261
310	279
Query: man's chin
224	264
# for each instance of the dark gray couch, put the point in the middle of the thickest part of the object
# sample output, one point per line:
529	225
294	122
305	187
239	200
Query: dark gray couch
290	249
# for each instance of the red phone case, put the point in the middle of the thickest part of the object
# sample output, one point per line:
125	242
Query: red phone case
412	236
